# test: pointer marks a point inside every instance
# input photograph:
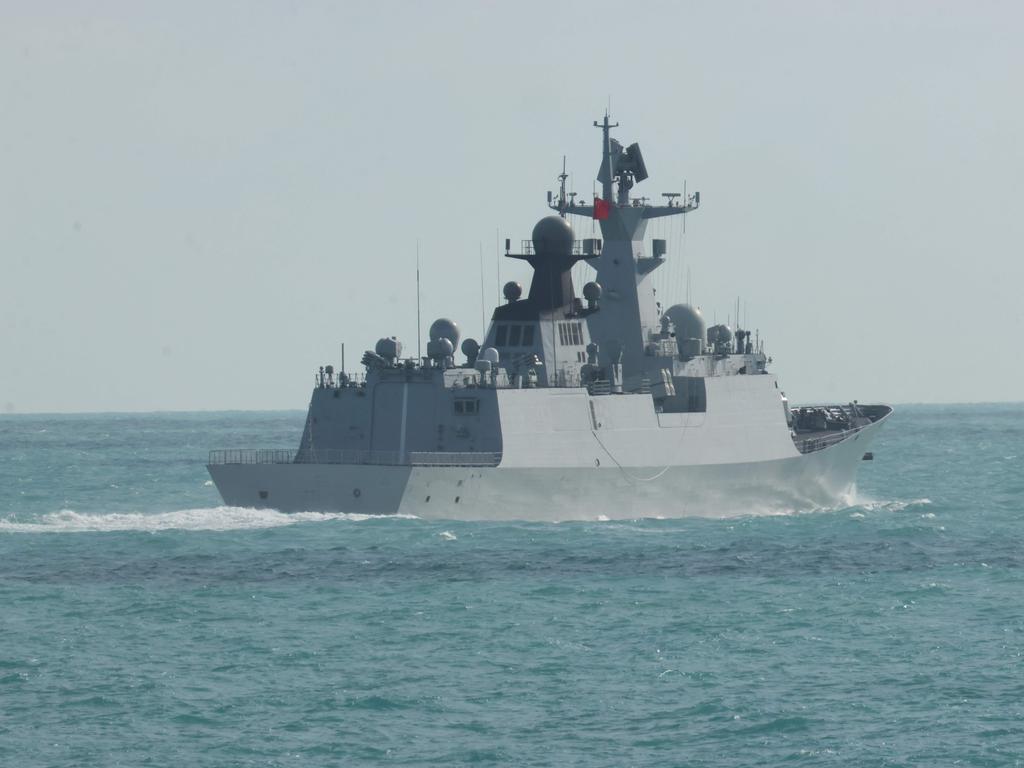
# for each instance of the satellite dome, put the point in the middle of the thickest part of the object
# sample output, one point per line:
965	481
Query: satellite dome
553	235
470	348
592	292
389	348
444	328
512	290
719	334
490	354
687	321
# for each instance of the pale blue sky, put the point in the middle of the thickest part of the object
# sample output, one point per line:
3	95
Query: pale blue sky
200	201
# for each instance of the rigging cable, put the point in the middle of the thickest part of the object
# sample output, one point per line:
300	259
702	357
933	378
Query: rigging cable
630	475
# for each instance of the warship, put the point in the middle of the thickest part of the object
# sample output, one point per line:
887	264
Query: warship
604	406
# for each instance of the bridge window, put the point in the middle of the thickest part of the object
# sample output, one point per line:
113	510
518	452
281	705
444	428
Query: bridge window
513	335
570	334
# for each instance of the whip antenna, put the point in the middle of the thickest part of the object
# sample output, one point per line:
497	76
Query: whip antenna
483	326
419	336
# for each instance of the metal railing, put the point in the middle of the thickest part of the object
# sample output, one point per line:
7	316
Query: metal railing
577	249
346	456
454	459
339	380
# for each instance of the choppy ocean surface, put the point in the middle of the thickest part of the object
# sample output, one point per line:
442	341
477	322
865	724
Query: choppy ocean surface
141	623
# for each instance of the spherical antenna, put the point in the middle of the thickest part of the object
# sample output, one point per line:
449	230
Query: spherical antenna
490	354
470	348
445	345
553	236
687	321
592	292
512	291
444	328
389	348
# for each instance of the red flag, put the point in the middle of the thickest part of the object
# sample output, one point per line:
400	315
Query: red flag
602	209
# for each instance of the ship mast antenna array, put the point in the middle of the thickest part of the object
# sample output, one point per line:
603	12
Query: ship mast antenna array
607	172
561	189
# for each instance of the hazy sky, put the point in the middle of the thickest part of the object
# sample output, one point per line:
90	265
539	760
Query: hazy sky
199	202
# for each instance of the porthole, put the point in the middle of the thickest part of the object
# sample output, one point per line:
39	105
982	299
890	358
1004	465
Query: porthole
457	499
427	501
356	492
263	494
597	462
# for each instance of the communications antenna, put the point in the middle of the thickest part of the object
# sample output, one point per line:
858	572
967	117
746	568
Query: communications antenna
419	335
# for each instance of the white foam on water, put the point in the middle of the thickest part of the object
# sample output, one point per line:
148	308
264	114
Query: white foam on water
205	519
893	505
855	504
447	535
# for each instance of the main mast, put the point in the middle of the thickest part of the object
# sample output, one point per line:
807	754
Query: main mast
629	318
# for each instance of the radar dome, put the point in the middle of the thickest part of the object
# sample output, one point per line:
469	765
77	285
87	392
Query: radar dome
719	334
592	292
389	348
444	328
470	348
490	354
687	321
553	235
512	290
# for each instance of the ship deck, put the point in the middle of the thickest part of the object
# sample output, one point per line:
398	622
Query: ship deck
816	427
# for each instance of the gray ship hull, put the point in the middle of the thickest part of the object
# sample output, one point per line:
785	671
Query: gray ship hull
823	478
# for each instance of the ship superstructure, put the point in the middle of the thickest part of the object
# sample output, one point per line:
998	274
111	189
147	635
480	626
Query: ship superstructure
572	407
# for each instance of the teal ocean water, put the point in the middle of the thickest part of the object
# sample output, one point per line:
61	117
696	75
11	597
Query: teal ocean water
141	623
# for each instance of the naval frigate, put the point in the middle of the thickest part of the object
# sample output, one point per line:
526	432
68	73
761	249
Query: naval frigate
601	406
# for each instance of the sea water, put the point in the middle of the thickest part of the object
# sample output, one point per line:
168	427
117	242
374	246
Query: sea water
142	623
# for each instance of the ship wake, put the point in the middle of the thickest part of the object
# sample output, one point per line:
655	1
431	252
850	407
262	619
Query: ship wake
203	519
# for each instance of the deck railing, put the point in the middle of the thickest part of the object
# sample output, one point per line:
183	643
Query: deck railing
345	456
